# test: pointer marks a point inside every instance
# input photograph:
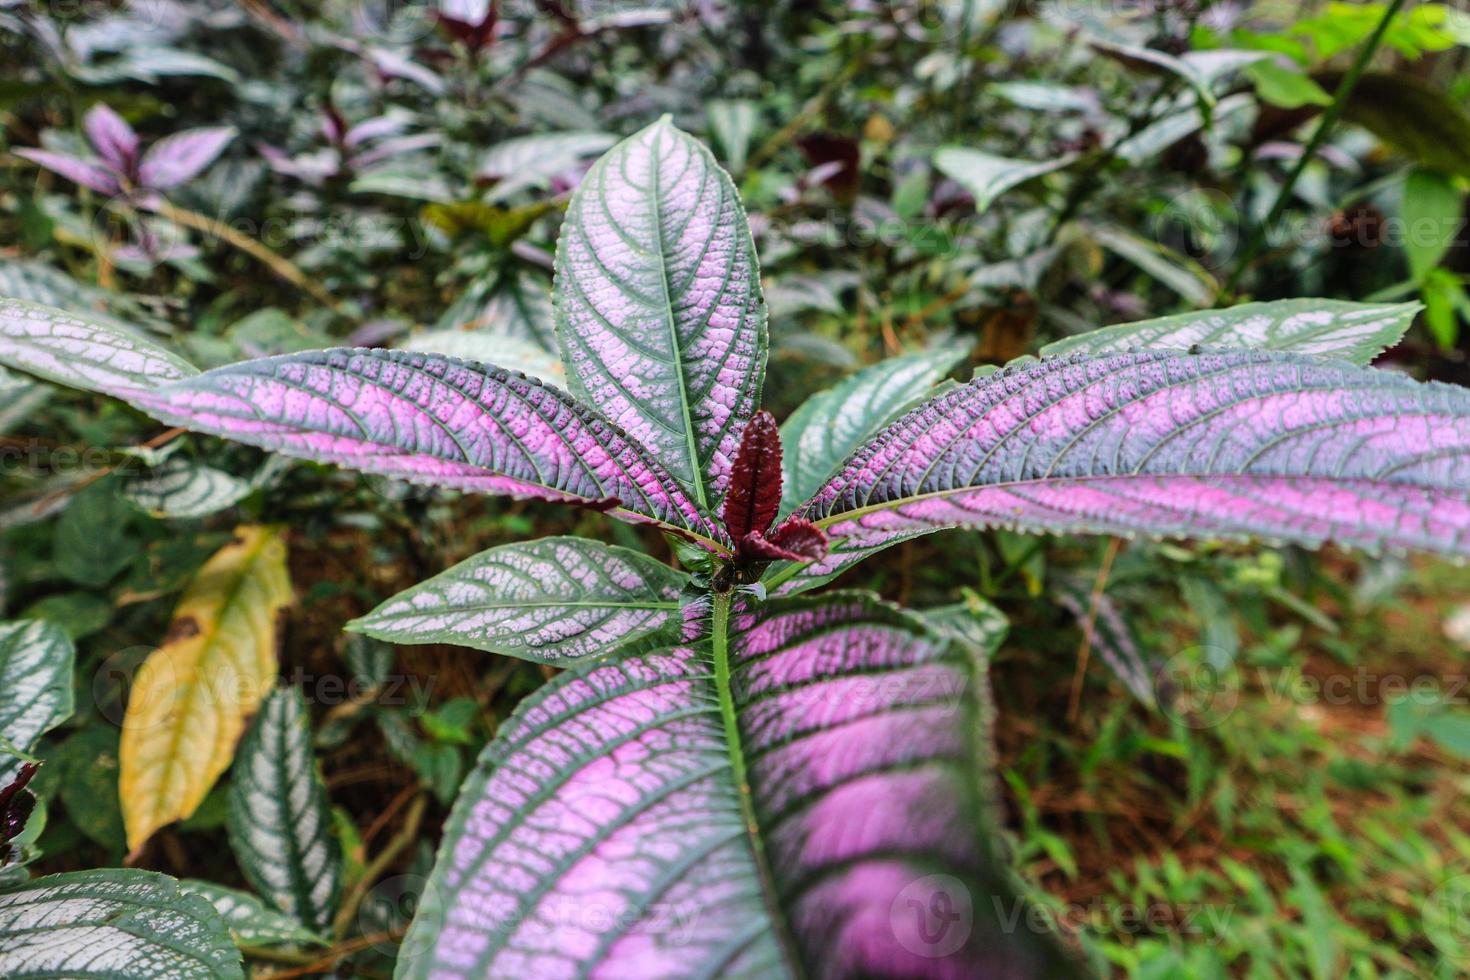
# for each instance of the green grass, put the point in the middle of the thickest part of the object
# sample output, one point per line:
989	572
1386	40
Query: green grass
1311	831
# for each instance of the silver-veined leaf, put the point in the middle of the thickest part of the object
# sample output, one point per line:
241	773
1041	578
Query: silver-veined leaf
531	161
182	489
1216	445
1110	635
1356	332
280	824
830	425
551	601
658	302
112	924
514	305
641	817
987	176
249	921
431	419
35	687
83	351
500	350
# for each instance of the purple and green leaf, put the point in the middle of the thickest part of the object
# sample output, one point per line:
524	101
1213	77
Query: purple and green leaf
1235	444
659	312
625	823
555	600
436	420
1356	332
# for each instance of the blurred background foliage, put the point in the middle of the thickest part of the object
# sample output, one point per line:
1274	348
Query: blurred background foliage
1218	760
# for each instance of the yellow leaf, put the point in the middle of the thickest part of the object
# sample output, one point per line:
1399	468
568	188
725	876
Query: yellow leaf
191	698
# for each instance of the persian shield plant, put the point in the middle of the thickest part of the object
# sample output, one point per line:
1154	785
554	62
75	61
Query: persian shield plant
733	778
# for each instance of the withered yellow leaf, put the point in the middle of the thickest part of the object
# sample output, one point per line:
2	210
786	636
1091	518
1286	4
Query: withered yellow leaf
192	696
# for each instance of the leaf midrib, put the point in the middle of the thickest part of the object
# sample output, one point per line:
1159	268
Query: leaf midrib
691	448
720	642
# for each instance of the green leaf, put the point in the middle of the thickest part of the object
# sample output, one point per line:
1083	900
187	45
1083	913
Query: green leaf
1450	730
548	601
280	825
733	122
112	924
1139	57
987	176
1433	215
249	921
1286	88
1187	278
1419	119
1357	332
92	542
82	351
35	687
831	424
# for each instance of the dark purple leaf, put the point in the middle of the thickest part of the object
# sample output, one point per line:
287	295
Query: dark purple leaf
16	804
753	496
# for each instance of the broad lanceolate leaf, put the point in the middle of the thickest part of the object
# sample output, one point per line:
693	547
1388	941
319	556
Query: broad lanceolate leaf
176	159
83	351
1356	332
432	419
249	921
987	176
609	832
280	823
84	173
830	425
112	924
551	601
35	687
487	347
658	302
1232	444
191	697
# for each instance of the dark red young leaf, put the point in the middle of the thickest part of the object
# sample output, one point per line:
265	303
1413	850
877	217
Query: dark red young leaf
754	494
16	805
794	540
801	537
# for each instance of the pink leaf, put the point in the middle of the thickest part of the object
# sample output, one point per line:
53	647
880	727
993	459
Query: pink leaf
178	158
77	171
112	137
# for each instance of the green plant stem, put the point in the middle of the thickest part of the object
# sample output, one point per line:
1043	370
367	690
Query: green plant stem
378	865
280	265
1324	129
720	645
